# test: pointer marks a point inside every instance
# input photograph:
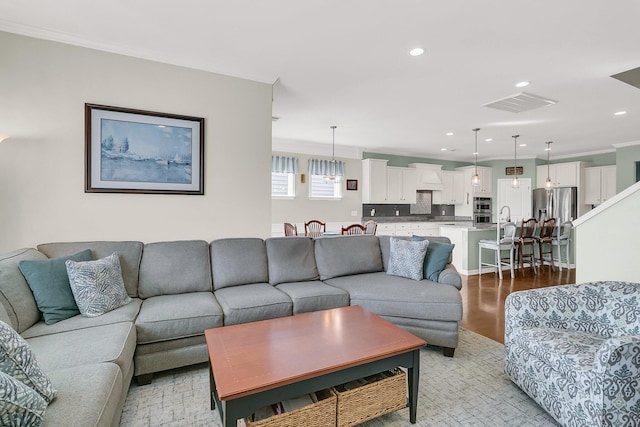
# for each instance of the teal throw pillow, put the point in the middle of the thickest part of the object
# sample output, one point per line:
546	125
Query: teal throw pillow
49	283
437	258
18	360
406	258
19	404
97	285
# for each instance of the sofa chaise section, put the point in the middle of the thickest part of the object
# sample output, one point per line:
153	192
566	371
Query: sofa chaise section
241	282
178	305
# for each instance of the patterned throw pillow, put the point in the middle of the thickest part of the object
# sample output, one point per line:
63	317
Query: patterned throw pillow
97	286
19	404
17	360
406	258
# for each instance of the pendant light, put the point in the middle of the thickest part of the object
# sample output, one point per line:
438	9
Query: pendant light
515	182
475	179
548	184
331	176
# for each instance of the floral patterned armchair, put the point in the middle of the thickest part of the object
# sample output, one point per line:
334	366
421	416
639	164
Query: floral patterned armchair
575	349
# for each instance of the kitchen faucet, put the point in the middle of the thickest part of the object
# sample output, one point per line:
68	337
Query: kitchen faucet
508	213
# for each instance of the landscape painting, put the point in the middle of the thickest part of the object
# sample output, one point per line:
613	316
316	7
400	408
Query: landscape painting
143	152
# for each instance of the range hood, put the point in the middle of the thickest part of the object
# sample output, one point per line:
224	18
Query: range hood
428	176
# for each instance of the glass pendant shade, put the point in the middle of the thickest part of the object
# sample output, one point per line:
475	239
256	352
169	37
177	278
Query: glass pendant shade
515	182
475	179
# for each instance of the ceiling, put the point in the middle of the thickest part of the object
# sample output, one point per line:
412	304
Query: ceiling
346	63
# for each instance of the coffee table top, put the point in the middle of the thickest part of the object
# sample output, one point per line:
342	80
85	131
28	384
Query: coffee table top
257	356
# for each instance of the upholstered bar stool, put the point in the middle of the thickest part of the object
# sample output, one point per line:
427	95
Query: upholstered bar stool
506	243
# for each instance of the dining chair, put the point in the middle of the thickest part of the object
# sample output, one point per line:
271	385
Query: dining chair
563	239
370	227
527	238
290	229
353	229
314	228
546	238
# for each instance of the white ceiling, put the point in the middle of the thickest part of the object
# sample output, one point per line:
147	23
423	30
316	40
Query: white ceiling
346	63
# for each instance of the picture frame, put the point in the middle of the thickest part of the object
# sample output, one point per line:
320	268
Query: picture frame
511	170
143	152
352	184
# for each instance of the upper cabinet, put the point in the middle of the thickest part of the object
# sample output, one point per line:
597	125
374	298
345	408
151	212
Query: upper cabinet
385	184
599	185
484	188
452	189
561	174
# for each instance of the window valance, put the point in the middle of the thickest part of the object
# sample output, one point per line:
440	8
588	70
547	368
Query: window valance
284	164
326	167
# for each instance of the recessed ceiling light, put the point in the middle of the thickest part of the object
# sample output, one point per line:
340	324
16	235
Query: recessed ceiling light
620	113
449	133
523	145
443	149
522	84
416	51
488	139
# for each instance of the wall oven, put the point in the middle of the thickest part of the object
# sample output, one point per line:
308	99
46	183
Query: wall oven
481	210
481	218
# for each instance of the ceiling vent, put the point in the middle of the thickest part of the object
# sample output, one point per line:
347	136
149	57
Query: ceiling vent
520	102
631	77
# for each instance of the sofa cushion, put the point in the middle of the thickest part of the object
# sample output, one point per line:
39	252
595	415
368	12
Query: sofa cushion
169	317
385	245
437	258
169	268
106	343
129	254
407	259
15	295
238	262
89	395
126	313
18	360
97	285
249	303
291	259
20	405
314	296
345	255
394	296
49	282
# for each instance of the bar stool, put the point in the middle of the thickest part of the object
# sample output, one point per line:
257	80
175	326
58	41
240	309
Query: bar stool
527	238
506	243
563	238
545	238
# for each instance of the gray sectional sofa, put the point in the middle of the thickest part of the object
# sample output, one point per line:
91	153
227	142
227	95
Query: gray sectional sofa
181	288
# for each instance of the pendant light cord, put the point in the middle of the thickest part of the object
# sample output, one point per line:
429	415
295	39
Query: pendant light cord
333	145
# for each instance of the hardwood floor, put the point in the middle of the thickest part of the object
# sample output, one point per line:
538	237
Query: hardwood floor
483	296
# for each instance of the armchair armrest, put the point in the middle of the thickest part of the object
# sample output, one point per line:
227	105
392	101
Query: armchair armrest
615	380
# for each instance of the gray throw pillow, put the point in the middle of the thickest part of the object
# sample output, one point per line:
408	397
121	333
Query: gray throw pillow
406	258
20	405
97	286
49	283
18	361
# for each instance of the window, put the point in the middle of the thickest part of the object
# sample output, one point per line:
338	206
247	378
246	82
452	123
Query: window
283	185
319	188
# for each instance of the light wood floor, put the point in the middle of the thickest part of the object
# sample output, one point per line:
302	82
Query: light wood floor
483	296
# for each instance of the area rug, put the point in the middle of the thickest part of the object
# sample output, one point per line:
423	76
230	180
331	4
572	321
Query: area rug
469	389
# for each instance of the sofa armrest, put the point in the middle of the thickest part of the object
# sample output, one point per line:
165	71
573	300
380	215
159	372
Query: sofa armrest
450	276
615	383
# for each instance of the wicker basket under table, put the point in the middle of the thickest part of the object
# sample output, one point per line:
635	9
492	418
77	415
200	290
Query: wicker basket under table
372	400
320	414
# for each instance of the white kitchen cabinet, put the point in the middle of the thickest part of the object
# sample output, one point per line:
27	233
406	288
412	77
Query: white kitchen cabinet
386	229
453	189
374	181
600	184
386	184
484	188
408	229
561	174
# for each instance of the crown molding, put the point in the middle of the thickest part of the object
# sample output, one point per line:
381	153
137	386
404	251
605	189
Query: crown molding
626	144
315	148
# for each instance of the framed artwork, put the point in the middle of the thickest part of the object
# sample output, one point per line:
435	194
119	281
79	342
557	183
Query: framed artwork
136	151
352	184
510	170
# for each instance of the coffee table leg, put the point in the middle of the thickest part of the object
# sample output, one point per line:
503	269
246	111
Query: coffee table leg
413	378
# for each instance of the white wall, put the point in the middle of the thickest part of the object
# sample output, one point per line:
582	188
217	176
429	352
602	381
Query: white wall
43	89
302	209
606	240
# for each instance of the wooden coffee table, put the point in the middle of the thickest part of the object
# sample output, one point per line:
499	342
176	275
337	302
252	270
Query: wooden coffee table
257	364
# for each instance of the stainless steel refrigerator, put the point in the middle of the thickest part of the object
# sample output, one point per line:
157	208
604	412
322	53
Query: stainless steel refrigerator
559	203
